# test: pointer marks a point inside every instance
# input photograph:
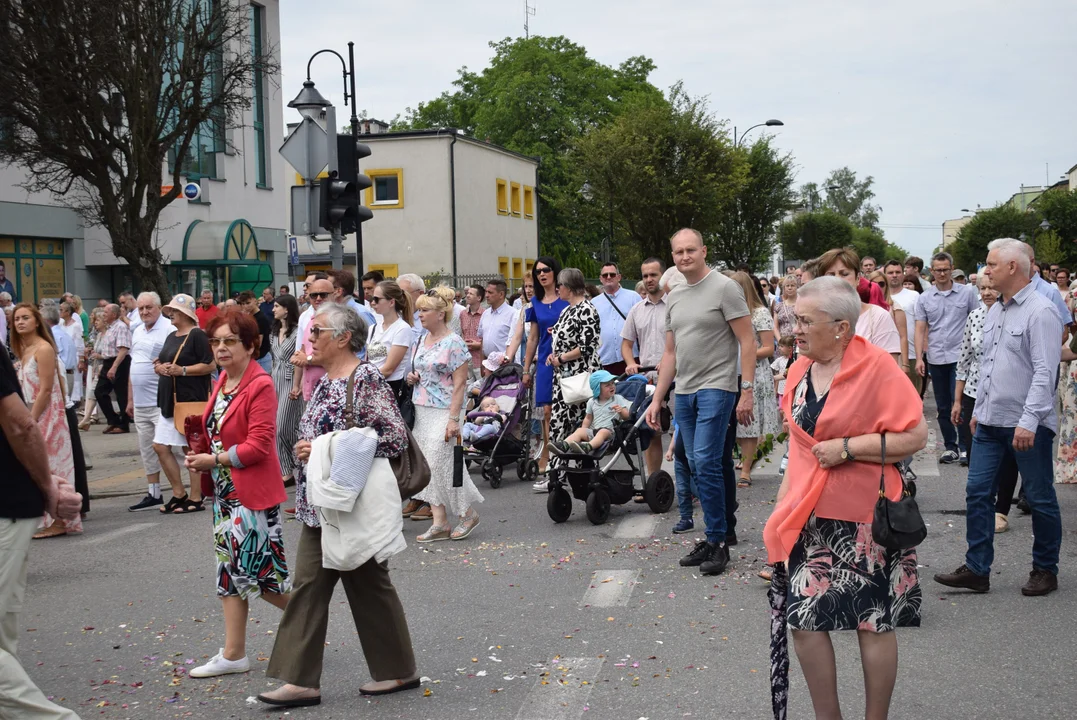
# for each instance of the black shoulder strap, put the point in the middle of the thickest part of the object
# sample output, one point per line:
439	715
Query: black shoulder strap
882	471
609	299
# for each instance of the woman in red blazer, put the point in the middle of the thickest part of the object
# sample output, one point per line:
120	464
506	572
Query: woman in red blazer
240	421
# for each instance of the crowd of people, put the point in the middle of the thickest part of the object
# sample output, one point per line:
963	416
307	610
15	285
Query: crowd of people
245	393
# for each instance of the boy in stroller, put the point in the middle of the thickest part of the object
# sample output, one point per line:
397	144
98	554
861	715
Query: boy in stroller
484	426
603	410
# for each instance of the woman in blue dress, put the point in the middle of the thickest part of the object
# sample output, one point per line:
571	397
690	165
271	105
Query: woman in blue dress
546	308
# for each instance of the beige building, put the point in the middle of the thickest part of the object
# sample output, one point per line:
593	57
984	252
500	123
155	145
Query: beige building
950	228
232	238
443	203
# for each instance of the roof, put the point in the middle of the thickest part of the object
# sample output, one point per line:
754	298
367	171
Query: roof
445	132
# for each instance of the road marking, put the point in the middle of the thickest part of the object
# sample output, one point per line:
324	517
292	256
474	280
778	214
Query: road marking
926	462
562	693
119	532
637	525
610	588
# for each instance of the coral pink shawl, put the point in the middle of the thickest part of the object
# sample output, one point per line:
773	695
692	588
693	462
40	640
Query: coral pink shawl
869	394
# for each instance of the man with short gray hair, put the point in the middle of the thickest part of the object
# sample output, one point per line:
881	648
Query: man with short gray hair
147	339
415	287
115	366
1014	419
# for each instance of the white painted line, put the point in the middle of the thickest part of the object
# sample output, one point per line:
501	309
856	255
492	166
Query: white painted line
120	532
610	588
564	695
637	525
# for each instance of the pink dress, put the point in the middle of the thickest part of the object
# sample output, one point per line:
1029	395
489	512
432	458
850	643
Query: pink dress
53	424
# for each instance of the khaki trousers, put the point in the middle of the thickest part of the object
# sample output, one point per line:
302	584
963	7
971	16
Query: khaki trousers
914	377
19	696
376	610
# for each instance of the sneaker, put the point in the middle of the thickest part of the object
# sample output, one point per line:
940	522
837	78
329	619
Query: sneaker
559	447
1040	582
949	457
1023	506
585	447
542	486
731	538
423	513
684	525
716	560
575	447
217	665
963	460
1002	523
147	503
699	553
965	579
411	507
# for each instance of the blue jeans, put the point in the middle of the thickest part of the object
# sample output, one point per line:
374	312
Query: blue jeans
686	484
266	363
944	382
994	445
703	419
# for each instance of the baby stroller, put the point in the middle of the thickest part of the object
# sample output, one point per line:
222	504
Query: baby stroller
600	482
513	443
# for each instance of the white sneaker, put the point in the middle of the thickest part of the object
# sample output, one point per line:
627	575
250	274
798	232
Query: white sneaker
217	665
1002	523
542	486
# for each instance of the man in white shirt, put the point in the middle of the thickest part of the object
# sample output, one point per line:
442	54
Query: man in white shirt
497	323
906	300
306	315
147	339
613	306
415	287
130	309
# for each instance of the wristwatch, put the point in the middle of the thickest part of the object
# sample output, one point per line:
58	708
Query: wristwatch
747	385
310	358
845	454
184	371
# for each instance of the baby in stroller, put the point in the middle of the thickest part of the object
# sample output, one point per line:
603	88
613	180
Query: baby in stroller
604	409
486	425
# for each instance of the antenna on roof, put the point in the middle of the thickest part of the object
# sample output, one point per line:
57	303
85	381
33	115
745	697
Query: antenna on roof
529	12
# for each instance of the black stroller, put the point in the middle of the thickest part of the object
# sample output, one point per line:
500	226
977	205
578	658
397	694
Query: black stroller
513	443
600	482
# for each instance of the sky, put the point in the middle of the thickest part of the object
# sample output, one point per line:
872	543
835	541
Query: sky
948	104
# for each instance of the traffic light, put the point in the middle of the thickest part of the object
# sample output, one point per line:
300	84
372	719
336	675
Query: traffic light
340	196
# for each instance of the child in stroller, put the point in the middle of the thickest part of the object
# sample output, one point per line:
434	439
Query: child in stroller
604	409
488	424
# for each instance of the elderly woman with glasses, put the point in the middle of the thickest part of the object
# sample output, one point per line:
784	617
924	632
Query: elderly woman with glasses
337	334
819	533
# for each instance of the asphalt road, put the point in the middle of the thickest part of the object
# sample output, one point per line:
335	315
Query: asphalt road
537	621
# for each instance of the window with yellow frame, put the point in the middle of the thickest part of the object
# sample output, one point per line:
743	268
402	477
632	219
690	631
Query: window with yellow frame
515	198
529	202
389	272
386	190
502	197
503	266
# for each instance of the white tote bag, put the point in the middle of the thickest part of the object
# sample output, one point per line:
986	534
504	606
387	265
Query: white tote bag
576	389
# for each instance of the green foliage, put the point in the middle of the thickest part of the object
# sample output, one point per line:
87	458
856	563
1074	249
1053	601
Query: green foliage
870	241
1049	248
746	226
1059	207
658	166
811	234
970	245
537	97
852	198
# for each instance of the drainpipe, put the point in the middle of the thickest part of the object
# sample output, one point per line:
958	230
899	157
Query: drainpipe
452	198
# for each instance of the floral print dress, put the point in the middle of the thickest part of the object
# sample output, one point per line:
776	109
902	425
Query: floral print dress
578	327
249	544
839	577
1066	458
766	419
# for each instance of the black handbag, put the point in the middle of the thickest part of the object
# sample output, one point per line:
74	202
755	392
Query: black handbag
406	406
897	525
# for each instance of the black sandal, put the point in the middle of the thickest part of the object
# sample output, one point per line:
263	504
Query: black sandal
174	503
188	506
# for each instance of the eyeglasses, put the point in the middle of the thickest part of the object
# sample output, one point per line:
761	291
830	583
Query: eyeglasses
315	330
543	270
318	295
940	271
376	299
608	275
809	324
227	341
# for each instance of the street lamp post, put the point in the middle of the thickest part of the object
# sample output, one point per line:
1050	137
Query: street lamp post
587	192
310	103
768	123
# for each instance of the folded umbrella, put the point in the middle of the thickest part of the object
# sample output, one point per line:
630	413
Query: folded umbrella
779	642
458	464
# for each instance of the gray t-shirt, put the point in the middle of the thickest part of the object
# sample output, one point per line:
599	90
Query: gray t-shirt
707	349
602	414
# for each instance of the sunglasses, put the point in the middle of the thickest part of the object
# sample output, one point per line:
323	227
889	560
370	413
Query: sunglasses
543	270
315	330
227	342
318	295
608	275
376	299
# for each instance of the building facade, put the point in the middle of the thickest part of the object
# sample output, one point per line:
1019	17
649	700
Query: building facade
232	238
950	228
443	204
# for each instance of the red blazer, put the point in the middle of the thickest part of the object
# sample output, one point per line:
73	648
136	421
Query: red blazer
249	435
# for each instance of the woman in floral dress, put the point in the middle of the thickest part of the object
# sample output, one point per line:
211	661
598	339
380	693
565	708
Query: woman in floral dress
1066	458
439	379
765	420
43	390
573	350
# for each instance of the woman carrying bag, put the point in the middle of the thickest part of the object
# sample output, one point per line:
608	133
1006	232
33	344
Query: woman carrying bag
184	367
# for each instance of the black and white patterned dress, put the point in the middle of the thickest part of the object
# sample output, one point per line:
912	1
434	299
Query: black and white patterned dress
578	327
289	411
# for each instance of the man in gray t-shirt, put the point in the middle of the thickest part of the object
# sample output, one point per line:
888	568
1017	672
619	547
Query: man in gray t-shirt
707	324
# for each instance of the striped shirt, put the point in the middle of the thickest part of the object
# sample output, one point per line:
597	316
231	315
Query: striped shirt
117	336
1022	350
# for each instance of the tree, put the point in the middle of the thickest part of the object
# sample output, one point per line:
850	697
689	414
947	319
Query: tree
658	166
851	198
970	245
537	97
811	234
746	225
97	97
1059	208
1049	248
